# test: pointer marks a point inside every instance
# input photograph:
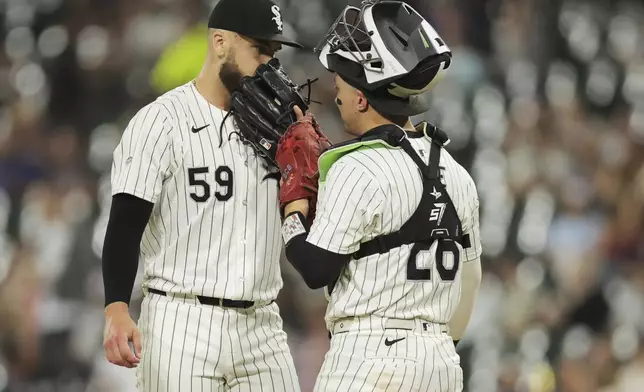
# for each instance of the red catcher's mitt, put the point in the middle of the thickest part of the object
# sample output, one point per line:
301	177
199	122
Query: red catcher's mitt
297	156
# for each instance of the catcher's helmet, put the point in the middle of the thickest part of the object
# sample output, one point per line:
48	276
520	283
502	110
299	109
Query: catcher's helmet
385	44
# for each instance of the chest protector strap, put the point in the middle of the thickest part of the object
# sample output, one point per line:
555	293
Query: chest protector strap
435	217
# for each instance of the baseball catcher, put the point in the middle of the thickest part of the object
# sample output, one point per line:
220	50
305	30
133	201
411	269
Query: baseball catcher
396	237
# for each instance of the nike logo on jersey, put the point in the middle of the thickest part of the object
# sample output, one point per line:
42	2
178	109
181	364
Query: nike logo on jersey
273	176
392	342
195	130
435	193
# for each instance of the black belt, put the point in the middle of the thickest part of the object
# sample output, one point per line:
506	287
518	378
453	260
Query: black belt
224	303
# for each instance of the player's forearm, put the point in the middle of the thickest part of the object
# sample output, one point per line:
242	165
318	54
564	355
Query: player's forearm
128	217
471	281
318	266
301	206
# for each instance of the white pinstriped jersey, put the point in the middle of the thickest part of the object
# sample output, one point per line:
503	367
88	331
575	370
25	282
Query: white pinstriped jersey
374	191
214	228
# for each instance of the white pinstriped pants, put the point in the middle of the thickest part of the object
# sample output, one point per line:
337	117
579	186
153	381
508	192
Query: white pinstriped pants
421	361
192	347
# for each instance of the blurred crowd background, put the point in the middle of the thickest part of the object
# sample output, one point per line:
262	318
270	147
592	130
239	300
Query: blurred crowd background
544	103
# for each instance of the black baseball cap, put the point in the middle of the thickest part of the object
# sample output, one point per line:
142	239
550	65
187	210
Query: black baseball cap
258	19
386	103
378	96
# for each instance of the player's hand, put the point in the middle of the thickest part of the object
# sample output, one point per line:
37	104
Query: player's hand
120	329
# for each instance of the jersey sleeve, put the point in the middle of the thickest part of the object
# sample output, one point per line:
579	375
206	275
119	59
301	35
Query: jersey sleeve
470	221
142	160
348	206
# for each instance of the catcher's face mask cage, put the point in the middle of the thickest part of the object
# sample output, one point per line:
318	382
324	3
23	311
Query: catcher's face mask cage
385	43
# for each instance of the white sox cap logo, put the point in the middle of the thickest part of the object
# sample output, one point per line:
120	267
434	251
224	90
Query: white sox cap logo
277	18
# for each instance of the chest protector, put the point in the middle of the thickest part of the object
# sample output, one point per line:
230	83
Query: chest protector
435	218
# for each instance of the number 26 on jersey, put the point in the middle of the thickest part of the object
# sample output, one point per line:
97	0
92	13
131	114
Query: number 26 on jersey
447	257
201	179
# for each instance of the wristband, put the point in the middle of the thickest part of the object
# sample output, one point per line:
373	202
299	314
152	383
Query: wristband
294	224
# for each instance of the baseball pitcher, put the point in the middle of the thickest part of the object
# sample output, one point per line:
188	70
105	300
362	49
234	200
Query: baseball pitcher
197	200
